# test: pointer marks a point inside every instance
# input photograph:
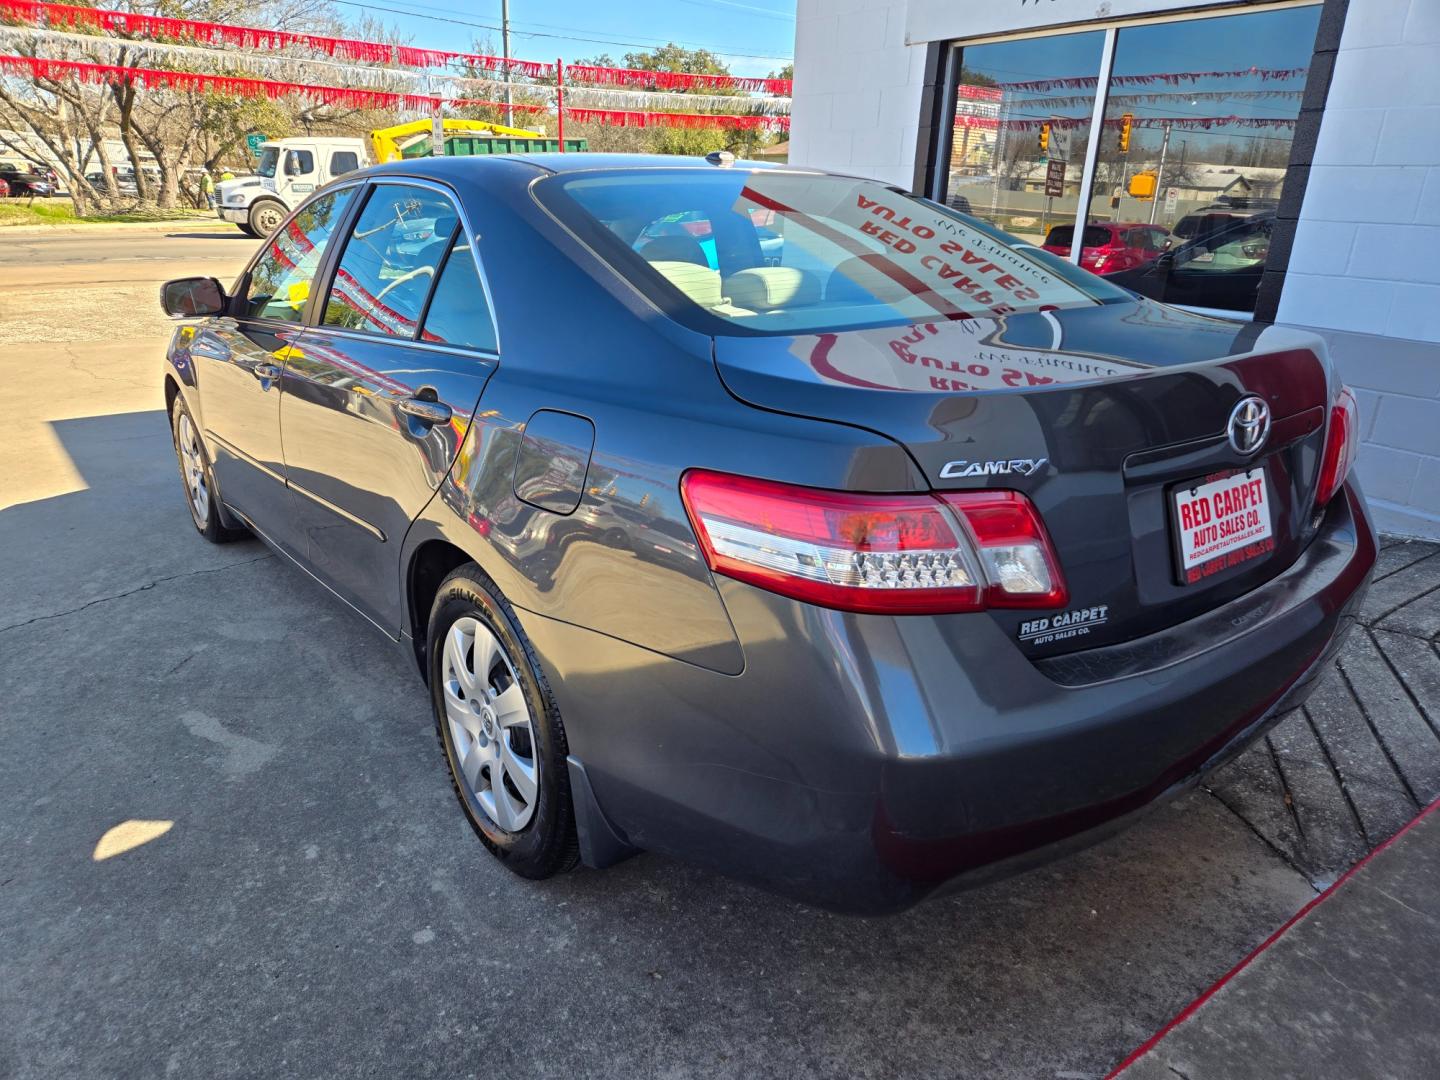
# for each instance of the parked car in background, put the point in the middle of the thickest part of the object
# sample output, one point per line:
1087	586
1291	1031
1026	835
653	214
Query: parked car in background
1110	247
1206	220
1220	268
25	182
892	556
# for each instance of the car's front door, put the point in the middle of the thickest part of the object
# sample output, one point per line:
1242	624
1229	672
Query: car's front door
379	399
239	360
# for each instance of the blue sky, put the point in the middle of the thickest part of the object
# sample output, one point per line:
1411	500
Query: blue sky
754	36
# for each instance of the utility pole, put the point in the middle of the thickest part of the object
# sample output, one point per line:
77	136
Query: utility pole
1159	175
505	49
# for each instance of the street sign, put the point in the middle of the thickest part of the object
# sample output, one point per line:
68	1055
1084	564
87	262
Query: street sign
1059	149
1172	199
254	141
1055	179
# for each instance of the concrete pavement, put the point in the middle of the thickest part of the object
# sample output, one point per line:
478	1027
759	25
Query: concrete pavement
228	846
1348	989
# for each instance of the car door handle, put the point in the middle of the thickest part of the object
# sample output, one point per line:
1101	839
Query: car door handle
427	412
269	372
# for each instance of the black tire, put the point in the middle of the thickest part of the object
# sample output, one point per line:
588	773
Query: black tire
262	210
547	844
247	230
208	524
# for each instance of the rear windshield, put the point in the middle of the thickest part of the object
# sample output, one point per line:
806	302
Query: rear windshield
1064	236
730	251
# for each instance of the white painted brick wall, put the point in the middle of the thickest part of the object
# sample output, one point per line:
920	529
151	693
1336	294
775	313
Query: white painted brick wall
1367	250
857	89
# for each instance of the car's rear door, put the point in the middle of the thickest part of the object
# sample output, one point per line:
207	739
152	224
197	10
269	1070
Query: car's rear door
376	406
239	359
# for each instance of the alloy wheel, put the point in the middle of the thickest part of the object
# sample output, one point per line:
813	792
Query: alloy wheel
491	730
192	468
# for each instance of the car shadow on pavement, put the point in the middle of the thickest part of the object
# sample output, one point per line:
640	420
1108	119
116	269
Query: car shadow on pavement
320	891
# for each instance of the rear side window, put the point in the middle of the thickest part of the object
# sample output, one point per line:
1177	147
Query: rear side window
343	161
280	280
771	251
459	313
390	260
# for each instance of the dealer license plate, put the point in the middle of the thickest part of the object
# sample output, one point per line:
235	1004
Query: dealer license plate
1221	522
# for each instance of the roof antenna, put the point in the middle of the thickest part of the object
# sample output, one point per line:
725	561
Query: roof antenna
721	158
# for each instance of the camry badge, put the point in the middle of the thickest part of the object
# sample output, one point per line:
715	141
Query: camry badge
1249	425
1019	466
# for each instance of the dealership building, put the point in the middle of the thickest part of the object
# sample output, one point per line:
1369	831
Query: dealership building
1277	161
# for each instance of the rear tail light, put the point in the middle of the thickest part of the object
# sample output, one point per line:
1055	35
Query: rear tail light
891	554
1341	442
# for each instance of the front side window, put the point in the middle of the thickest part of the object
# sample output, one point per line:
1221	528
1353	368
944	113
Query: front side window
300	163
279	282
767	251
390	259
459	313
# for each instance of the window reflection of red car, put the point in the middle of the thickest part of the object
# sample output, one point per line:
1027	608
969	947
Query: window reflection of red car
1112	247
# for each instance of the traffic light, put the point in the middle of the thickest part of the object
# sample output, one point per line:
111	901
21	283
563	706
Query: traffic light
1044	138
1126	123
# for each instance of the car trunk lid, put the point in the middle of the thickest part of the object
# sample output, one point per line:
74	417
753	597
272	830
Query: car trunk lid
1100	415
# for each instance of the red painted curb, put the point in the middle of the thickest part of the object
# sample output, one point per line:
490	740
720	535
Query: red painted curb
1190	1009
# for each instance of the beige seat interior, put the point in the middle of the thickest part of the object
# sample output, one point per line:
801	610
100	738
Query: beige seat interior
699	283
768	288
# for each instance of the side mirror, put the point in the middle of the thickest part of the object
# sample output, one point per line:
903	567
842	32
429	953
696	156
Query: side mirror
193	297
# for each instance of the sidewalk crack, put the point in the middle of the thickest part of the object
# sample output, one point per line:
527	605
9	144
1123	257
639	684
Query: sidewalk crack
131	592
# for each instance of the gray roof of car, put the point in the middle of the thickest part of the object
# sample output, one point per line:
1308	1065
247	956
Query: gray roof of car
558	163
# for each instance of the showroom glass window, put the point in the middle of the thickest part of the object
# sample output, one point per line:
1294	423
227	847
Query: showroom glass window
1199	116
1014	134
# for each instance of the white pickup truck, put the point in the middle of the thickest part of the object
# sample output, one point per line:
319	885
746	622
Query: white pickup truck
289	170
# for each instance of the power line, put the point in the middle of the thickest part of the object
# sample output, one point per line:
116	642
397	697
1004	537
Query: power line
560	37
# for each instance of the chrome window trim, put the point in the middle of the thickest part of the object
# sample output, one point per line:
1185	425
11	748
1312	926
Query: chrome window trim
409	343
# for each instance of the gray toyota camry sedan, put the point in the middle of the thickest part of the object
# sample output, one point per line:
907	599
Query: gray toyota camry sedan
777	520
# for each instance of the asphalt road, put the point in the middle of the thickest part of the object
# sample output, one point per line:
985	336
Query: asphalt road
228	847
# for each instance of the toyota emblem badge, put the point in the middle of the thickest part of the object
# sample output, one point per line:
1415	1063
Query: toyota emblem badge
1249	425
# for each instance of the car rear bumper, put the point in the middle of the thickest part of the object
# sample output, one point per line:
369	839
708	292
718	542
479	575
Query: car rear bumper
864	762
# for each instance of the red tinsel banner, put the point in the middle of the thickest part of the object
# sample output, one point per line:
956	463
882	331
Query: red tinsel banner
1186	123
197	82
1168	78
69	17
621	118
671	80
980	93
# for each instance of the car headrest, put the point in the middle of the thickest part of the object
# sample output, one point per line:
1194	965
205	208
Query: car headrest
764	288
699	283
674	249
